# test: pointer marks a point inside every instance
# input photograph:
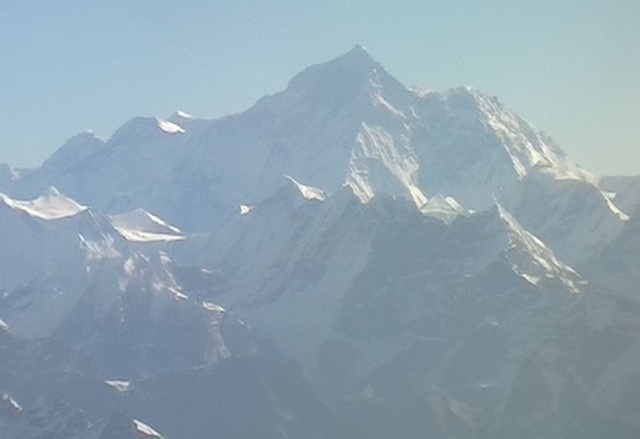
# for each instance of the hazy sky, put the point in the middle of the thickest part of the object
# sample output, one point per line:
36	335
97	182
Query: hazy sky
571	68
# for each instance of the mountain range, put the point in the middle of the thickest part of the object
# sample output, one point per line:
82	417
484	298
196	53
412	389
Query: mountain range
347	258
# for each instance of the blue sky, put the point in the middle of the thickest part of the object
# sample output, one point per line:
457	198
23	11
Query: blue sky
571	68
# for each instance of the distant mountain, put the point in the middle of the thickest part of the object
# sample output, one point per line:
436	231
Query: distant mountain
343	122
347	258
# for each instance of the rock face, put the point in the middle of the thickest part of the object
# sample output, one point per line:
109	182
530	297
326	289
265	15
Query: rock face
347	258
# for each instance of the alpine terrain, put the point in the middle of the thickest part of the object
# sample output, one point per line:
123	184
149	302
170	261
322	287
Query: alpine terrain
348	258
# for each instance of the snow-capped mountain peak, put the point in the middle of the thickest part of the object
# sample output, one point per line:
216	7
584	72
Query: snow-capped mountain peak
170	127
51	205
347	81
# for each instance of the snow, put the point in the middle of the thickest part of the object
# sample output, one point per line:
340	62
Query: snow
308	192
141	236
527	149
375	144
620	214
141	226
51	205
12	402
533	260
533	280
245	209
623	191
146	430
120	386
170	127
446	209
217	309
184	115
376	136
177	293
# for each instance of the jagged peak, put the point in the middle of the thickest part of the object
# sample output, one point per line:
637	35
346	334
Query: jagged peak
532	259
359	52
51	205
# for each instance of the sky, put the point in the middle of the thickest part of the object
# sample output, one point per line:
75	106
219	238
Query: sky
571	68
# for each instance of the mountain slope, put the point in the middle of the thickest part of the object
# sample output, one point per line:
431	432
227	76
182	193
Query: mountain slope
427	263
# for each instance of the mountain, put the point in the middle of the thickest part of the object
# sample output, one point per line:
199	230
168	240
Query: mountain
383	299
346	121
347	258
99	331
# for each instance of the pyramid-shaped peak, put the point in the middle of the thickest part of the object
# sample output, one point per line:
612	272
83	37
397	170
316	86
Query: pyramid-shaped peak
356	59
354	66
347	76
359	52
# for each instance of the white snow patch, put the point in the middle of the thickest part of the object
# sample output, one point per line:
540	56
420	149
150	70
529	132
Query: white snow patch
445	209
169	127
245	209
420	91
209	306
141	226
184	115
178	294
620	214
145	430
12	402
308	192
533	280
533	260
49	206
120	386
376	143
139	236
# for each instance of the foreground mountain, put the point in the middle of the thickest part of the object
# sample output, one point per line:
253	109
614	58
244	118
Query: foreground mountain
100	334
348	258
